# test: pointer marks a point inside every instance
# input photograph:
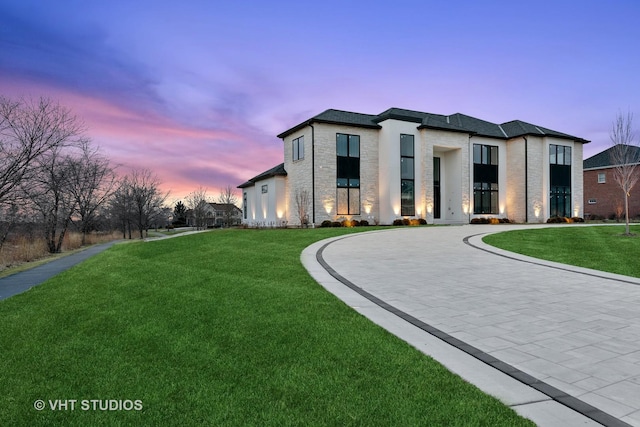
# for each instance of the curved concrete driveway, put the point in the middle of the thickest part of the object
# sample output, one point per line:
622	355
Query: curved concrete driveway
559	344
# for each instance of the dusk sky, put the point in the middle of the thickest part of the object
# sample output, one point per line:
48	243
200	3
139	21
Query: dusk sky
197	91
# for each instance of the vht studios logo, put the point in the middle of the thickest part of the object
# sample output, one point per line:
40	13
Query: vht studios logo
88	405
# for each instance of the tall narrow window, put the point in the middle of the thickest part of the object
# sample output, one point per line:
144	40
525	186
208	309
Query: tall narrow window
348	174
244	204
407	176
560	180
298	148
485	179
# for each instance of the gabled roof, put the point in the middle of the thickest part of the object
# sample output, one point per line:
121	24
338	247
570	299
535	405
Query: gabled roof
274	171
603	158
454	123
224	207
337	117
517	128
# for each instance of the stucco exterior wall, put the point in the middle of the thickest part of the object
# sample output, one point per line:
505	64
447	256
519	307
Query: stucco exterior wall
266	209
453	150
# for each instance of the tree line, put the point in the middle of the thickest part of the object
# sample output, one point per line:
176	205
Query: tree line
52	176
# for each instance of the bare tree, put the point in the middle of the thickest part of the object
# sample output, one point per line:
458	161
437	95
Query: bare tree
91	183
121	207
30	130
229	198
625	156
303	199
146	199
197	202
48	191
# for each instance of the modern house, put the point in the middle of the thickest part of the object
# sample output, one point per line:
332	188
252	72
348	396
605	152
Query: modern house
603	197
410	164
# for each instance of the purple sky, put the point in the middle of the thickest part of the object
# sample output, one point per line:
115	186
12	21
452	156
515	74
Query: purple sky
197	91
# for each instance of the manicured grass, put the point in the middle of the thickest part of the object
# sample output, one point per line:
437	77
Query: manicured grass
223	328
599	247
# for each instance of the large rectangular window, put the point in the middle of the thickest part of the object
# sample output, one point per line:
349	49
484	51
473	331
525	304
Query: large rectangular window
348	174
485	179
407	176
560	180
298	148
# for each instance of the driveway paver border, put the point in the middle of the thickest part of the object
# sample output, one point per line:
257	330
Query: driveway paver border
553	393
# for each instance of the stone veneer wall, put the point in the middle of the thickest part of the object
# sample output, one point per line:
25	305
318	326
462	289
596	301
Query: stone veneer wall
300	177
577	180
538	179
515	180
457	166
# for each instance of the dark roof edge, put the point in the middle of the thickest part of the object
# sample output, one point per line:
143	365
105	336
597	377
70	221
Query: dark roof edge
329	122
549	135
397	116
449	129
277	170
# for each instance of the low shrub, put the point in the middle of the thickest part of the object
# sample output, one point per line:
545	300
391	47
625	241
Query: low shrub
336	224
490	220
325	223
364	223
422	221
559	220
480	221
577	219
398	222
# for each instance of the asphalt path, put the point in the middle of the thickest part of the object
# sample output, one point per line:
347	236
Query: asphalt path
25	280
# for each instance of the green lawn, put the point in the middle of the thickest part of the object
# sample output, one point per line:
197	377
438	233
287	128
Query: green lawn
223	328
599	247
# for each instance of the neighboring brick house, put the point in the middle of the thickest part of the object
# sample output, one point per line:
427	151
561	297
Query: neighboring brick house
603	197
410	164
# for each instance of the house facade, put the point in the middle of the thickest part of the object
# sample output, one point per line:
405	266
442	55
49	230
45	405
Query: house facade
410	164
603	197
216	215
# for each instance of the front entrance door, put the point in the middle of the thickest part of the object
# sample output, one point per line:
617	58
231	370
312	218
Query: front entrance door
436	187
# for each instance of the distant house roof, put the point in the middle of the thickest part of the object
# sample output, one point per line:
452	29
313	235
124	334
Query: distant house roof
224	207
603	158
274	171
454	123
